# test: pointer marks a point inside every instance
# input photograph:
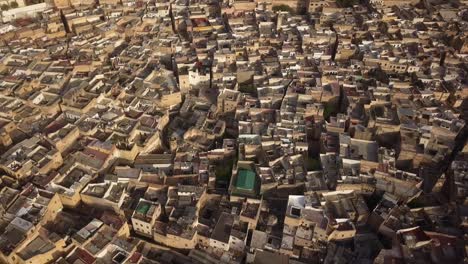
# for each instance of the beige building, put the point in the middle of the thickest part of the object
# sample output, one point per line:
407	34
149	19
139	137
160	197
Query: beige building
8	2
389	3
6	127
144	217
29	157
228	101
298	6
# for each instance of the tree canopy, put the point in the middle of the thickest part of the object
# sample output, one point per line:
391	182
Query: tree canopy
286	8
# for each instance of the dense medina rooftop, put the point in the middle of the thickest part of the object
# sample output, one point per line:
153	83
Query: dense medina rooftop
194	131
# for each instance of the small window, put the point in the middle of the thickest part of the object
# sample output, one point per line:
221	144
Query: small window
295	211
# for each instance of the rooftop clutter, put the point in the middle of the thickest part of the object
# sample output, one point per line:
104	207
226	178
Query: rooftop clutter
196	131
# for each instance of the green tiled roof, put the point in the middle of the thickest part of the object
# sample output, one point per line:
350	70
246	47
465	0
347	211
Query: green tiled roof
143	208
245	179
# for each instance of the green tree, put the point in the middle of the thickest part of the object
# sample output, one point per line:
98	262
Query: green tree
346	3
247	88
4	7
383	27
13	4
286	8
312	164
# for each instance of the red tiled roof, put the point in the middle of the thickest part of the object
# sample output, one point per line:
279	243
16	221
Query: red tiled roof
135	257
85	256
